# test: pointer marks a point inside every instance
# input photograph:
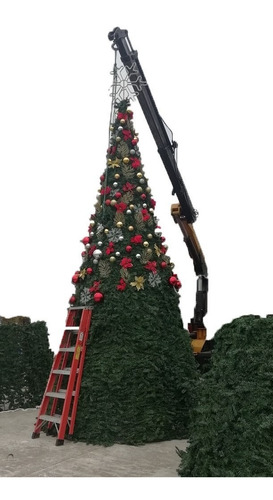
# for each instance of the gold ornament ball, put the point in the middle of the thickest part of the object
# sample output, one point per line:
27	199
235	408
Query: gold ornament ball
119	224
112	258
122	121
139	189
149	251
92	223
106	231
148	189
113	202
118	138
149	236
139	175
117	176
126	160
131	228
131	207
111	127
145	244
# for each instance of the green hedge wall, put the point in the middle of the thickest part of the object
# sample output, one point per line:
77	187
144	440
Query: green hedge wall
25	362
232	426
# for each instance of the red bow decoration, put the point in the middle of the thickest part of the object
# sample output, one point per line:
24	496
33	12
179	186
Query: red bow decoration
95	286
135	162
136	239
128	187
122	285
125	262
105	190
120	207
112	150
126	134
145	215
151	266
123	116
91	250
110	248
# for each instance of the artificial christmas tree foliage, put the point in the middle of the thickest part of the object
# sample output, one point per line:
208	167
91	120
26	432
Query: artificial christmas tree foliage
22	377
139	368
231	430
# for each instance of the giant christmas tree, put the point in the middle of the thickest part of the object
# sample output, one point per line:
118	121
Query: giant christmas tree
139	367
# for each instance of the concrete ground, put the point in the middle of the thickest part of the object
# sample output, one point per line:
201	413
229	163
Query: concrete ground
21	456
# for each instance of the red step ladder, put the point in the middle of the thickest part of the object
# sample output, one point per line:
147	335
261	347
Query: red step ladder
60	400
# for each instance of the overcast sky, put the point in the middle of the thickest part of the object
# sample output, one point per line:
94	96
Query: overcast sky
209	67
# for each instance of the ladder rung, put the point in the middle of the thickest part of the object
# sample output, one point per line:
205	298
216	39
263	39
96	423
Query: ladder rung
66	371
67	349
61	394
72	328
52	394
51	418
80	308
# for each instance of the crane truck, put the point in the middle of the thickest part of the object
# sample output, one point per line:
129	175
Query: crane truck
182	212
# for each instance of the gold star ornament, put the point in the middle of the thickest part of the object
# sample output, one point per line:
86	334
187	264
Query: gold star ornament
114	163
138	283
157	250
82	274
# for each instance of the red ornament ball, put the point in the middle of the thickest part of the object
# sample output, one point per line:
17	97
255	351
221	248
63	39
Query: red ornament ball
163	264
89	270
178	284
98	297
102	177
75	278
86	240
128	248
72	299
134	142
107	202
172	280
118	195
143	196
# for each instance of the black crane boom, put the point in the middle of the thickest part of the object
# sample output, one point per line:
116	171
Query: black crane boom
166	150
183	213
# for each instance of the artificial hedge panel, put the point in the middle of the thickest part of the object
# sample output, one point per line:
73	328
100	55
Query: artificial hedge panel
231	431
25	362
